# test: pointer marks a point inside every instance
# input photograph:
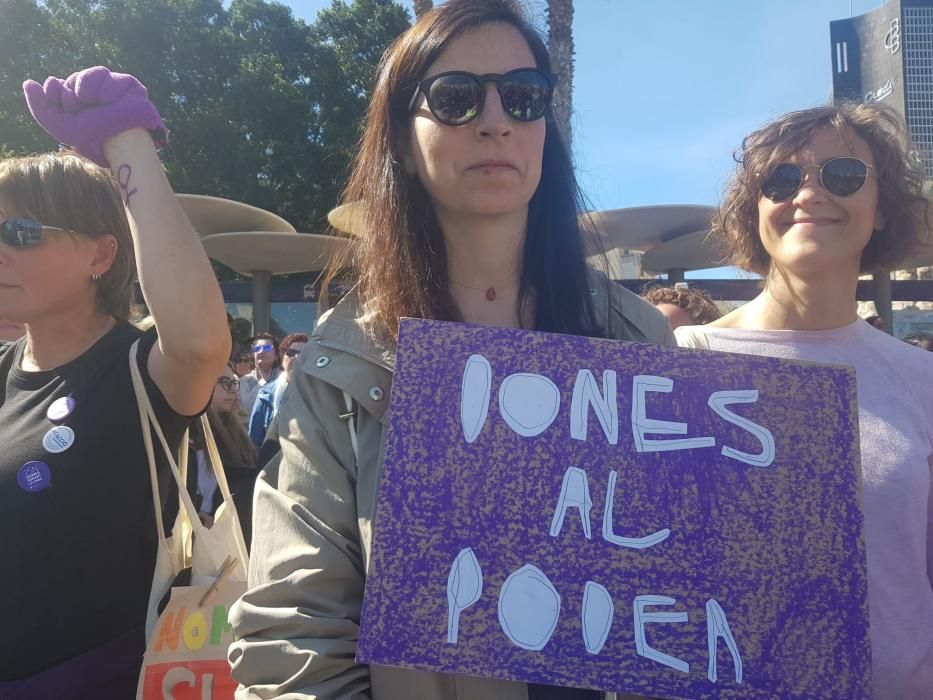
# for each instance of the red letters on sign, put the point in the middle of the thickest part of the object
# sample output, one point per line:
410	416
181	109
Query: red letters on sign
190	680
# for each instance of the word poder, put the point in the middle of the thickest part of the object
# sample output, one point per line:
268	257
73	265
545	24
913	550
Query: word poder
590	513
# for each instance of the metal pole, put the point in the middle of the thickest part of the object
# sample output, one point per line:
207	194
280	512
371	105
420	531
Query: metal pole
262	309
883	298
675	275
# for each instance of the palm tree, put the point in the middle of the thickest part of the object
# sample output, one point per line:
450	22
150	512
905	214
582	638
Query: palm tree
422	6
560	46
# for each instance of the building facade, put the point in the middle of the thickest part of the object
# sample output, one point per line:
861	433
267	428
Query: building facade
887	56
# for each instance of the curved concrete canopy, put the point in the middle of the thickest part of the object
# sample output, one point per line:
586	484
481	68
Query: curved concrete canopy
634	228
347	218
643	228
275	252
211	215
693	251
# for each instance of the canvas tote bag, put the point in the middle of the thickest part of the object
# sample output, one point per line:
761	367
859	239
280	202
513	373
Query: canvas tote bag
187	644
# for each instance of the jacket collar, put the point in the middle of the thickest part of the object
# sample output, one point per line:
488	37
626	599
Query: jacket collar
343	328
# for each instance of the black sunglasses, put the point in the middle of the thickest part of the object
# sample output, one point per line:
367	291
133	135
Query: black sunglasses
292	352
23	233
841	177
457	97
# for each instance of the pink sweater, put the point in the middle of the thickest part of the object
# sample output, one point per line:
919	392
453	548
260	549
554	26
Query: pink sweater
895	400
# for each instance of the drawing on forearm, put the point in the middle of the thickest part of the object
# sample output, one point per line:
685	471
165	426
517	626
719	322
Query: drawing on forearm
124	173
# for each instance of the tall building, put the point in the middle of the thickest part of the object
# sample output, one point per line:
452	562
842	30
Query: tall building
887	56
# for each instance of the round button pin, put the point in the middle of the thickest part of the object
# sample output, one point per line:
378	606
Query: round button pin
34	476
60	409
58	439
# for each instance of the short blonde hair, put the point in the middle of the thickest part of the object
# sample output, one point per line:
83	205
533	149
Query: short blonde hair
65	190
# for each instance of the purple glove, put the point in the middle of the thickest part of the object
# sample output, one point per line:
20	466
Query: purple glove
90	107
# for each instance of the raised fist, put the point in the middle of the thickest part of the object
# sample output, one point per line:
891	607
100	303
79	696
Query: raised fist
91	106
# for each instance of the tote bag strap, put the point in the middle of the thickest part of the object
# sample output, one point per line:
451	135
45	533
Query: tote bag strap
148	418
213	455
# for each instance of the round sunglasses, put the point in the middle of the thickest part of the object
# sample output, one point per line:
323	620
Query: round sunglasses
457	97
228	384
841	177
23	233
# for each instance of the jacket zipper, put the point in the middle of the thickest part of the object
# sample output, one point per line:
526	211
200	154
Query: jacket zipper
354	353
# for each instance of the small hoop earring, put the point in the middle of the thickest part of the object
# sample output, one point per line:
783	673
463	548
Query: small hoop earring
96	277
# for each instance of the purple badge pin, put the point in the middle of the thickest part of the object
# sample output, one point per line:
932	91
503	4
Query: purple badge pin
60	409
34	476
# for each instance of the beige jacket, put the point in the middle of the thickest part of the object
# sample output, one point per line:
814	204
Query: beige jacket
312	524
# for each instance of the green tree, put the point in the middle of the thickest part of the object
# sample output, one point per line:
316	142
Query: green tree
263	107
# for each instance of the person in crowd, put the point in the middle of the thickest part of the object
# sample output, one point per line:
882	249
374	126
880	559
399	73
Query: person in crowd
263	425
11	330
682	305
924	341
233	444
242	362
76	507
289	350
269	396
471	203
236	451
265	354
875	321
819	197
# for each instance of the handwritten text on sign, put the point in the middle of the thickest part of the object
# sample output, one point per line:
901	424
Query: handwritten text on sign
616	516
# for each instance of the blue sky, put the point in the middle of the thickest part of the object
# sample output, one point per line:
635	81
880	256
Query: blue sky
665	91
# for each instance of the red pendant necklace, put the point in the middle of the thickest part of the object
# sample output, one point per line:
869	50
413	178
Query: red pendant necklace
490	292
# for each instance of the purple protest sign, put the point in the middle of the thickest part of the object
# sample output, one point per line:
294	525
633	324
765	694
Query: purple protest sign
625	517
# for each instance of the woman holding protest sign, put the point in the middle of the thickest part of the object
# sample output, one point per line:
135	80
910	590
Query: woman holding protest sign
76	506
819	197
471	209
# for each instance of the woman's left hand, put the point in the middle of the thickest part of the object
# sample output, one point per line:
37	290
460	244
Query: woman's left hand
91	106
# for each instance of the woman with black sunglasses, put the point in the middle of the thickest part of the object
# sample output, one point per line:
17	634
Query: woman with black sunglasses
819	197
471	211
76	509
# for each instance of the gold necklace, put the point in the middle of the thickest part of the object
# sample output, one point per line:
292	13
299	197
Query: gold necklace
490	291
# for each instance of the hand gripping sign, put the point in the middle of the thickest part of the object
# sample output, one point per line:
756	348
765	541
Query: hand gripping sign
623	517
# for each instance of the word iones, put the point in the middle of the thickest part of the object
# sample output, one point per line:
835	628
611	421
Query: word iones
529	404
529	609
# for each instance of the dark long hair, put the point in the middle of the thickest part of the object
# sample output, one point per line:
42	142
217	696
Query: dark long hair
401	255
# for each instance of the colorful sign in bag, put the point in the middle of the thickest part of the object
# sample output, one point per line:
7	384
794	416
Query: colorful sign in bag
186	658
624	517
186	650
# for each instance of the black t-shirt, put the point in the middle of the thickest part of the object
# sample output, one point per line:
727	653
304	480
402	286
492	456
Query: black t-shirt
77	532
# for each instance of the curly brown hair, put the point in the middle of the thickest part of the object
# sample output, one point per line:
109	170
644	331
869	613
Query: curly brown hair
696	302
900	183
289	339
